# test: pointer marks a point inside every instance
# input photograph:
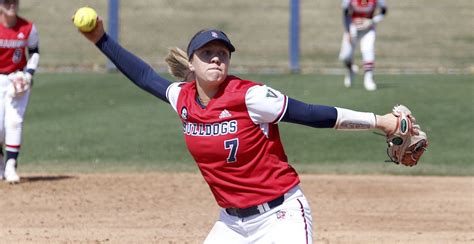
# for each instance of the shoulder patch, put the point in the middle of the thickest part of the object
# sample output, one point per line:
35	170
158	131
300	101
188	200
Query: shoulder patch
184	113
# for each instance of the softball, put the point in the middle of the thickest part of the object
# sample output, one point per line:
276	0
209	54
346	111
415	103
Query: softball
85	19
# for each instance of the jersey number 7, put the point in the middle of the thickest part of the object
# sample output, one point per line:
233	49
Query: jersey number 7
232	145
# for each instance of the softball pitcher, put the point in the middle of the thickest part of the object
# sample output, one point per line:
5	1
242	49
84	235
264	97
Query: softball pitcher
19	58
359	26
230	127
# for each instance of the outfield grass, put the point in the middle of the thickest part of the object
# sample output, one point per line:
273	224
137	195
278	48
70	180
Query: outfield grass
103	123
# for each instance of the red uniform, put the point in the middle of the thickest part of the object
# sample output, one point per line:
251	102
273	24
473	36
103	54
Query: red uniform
13	44
363	8
235	141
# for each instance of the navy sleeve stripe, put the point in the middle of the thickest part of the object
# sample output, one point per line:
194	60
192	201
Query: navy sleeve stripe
319	116
283	111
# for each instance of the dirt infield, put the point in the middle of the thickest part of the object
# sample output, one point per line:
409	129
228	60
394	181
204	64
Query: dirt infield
179	208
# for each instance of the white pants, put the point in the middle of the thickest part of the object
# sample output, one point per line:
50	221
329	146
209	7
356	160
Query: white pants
12	112
291	222
367	46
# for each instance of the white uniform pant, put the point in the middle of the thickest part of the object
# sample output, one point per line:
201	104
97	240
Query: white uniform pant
291	222
367	46
12	112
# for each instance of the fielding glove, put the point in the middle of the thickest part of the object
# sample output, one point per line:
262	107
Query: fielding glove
20	83
408	142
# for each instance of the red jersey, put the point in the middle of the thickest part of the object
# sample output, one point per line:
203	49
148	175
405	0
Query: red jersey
13	44
235	140
362	8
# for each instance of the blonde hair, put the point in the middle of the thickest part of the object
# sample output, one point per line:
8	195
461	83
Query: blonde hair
178	64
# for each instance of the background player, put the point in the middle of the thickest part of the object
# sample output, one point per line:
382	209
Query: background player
230	127
359	26
19	56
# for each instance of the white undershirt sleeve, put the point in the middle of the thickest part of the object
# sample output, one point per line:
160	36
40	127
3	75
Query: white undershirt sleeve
172	93
345	4
33	62
265	105
33	39
354	120
381	3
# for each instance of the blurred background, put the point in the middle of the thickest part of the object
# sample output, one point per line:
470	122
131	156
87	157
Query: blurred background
423	36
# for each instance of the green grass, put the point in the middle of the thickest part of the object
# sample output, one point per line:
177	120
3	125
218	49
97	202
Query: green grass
103	123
